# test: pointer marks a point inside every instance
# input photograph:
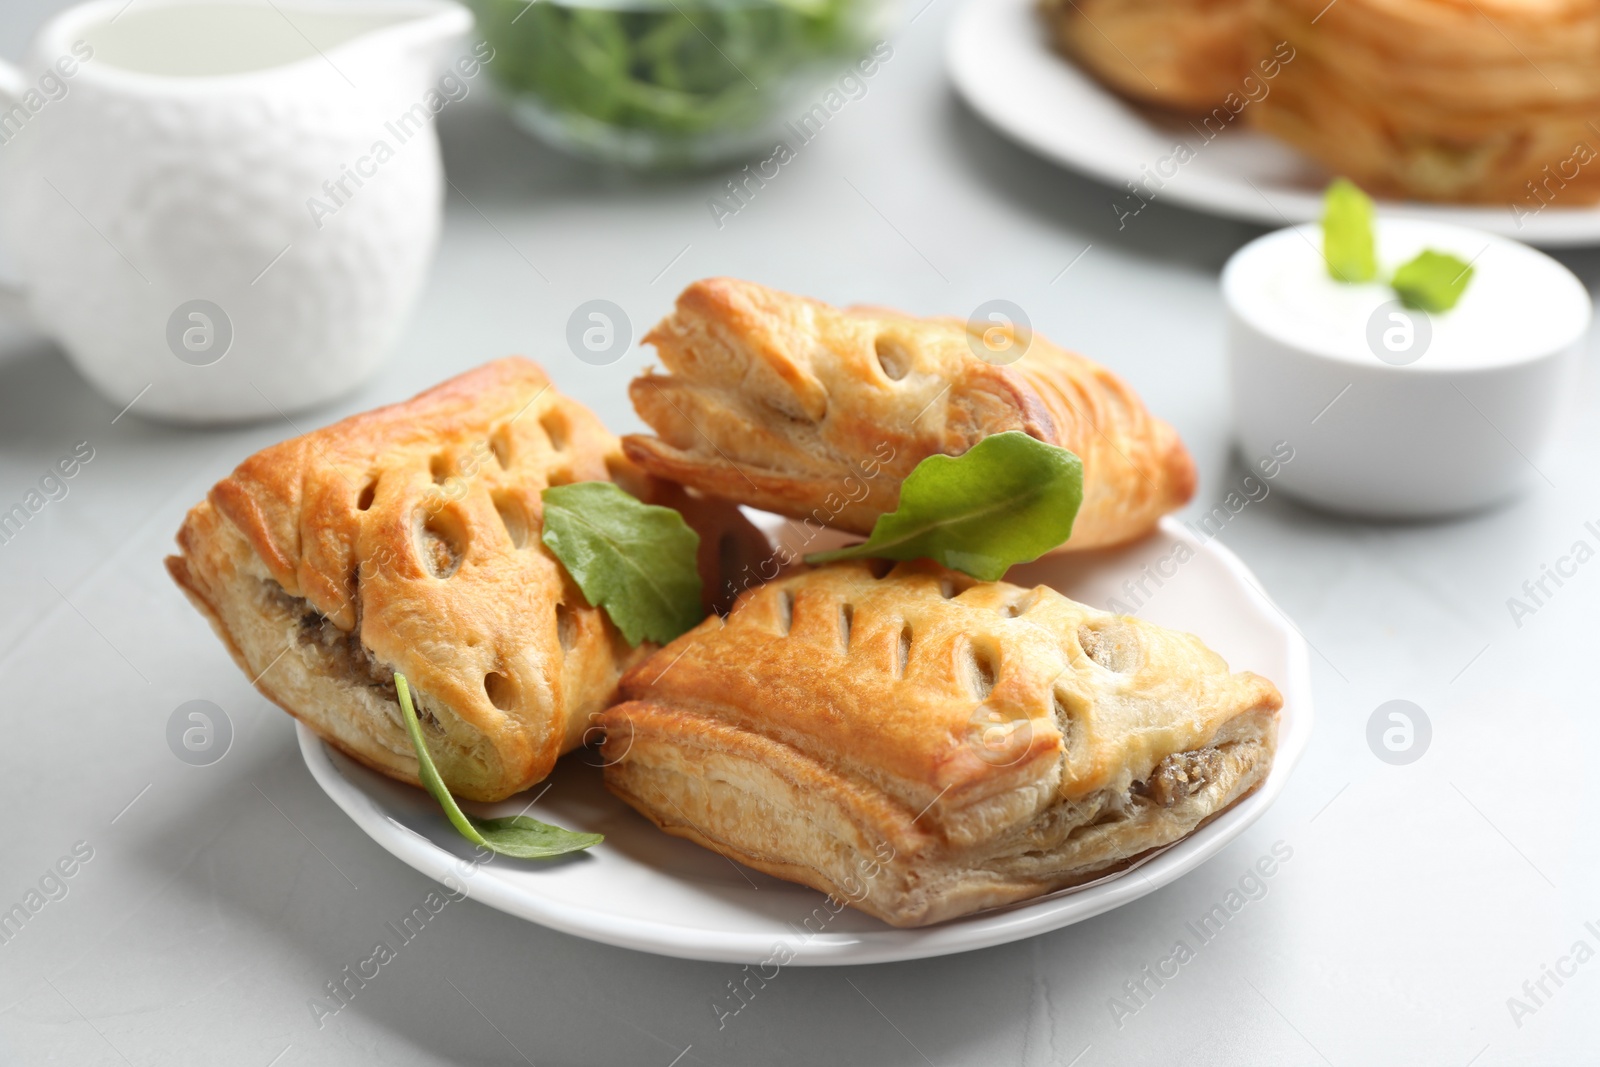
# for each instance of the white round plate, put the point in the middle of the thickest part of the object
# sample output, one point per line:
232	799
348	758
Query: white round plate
1004	66
644	890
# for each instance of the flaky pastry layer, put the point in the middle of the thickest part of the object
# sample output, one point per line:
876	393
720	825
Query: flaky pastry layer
797	407
1459	101
967	744
1488	101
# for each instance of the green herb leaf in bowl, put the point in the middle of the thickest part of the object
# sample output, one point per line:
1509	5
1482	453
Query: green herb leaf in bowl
637	561
519	836
1009	499
1348	244
1433	281
665	82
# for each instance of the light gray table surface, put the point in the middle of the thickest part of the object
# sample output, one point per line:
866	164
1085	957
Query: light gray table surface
220	899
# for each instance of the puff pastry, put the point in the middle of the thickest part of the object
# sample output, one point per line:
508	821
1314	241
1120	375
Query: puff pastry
800	408
924	746
1488	101
1453	100
407	538
1187	55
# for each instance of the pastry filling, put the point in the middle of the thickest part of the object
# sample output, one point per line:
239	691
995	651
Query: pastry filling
1180	775
340	654
1202	781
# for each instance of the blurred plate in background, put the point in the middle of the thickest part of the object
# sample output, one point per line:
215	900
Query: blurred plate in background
1001	61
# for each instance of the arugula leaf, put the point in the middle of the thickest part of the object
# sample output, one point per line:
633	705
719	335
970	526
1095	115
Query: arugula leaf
1348	246
1008	499
1433	281
635	560
517	835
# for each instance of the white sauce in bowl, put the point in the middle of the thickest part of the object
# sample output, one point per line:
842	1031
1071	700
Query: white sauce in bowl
1520	304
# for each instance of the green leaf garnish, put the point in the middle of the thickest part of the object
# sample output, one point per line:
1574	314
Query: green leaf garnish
520	836
1348	245
635	560
1433	281
1009	499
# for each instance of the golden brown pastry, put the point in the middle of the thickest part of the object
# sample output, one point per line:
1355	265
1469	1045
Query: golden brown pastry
1486	101
407	539
800	408
1453	100
924	746
1187	55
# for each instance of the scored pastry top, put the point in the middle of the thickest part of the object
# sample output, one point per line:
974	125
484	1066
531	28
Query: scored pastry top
416	527
418	488
798	407
976	704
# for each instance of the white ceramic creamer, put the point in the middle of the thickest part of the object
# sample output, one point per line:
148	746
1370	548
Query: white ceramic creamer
225	208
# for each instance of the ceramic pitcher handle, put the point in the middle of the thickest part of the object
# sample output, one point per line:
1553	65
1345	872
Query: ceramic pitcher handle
13	301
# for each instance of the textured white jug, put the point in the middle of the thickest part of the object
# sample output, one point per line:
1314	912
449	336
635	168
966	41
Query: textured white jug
197	203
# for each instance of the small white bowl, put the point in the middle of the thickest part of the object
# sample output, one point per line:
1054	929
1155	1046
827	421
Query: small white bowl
1396	413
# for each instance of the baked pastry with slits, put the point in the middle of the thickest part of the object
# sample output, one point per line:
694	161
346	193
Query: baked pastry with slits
408	539
924	746
797	407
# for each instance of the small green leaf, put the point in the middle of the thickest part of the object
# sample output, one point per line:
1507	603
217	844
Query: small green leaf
527	838
1433	281
1009	499
635	560
520	836
1348	245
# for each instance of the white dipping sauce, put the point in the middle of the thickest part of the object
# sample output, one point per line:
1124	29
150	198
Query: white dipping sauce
1394	412
1519	304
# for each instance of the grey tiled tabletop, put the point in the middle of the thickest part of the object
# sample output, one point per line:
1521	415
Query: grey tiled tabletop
217	901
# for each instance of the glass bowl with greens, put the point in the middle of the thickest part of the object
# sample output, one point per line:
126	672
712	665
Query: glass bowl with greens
678	83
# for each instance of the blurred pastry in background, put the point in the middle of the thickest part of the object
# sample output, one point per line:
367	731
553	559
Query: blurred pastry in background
1451	100
1445	100
1186	55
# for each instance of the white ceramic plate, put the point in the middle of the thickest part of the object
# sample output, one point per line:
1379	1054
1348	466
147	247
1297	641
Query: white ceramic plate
645	890
1003	65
